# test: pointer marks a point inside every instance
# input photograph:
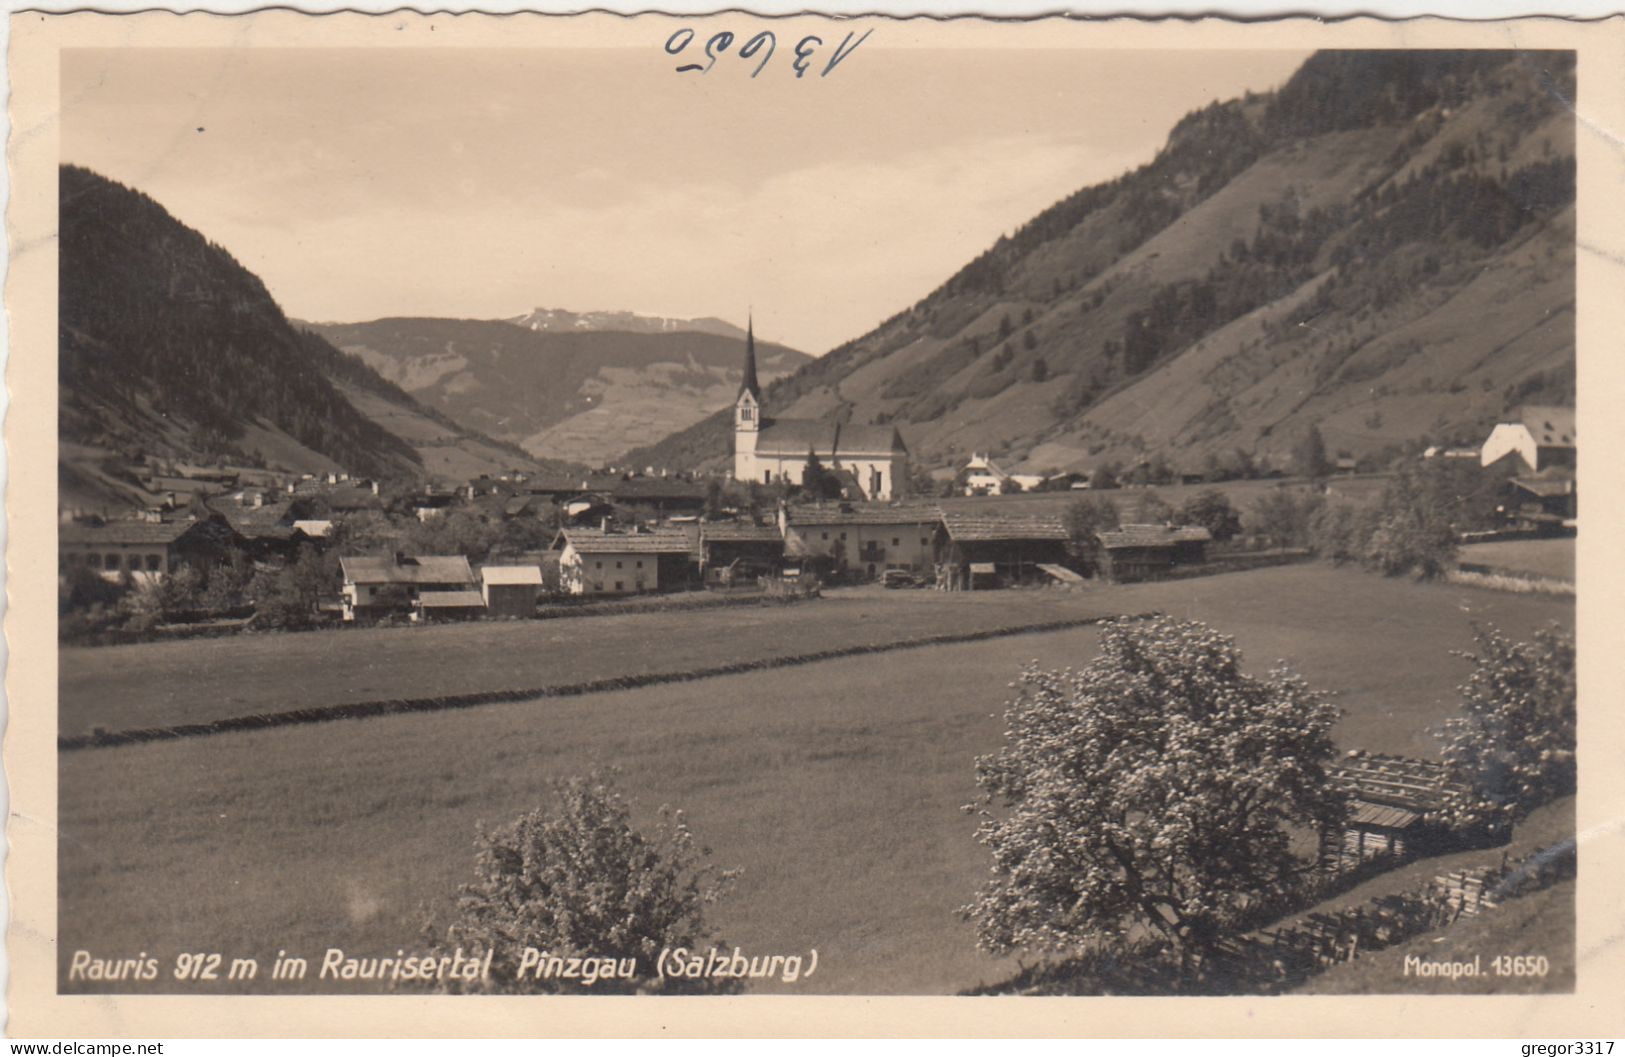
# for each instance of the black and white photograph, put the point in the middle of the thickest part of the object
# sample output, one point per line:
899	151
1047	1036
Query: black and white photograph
789	507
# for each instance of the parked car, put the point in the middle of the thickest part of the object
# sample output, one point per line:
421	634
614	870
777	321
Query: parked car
896	578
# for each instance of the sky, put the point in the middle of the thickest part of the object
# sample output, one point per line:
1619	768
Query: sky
483	183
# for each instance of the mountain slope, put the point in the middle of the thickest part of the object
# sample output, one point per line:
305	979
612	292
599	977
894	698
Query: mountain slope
1384	249
562	319
579	394
170	348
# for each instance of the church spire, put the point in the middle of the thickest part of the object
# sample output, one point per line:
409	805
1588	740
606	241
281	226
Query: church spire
750	385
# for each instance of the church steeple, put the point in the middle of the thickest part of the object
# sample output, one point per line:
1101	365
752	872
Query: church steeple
750	385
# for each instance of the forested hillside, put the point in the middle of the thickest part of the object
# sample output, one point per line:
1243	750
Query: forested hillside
1383	249
576	392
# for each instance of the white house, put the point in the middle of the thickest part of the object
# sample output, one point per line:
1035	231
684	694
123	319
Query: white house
773	450
1540	437
983	476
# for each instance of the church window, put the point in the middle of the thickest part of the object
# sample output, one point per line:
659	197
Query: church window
745	414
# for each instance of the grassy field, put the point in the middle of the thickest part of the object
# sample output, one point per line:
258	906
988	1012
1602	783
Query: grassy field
1552	558
836	786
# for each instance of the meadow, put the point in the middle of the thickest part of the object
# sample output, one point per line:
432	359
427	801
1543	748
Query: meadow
836	786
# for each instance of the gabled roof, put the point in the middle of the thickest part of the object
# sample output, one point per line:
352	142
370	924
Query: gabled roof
596	541
1153	536
512	574
793	438
451	600
127	532
1552	427
427	569
1001	525
1397	781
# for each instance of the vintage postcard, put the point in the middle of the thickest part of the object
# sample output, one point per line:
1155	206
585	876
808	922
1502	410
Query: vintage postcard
544	524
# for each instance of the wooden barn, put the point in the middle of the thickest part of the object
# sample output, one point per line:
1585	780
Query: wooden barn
1393	811
997	548
511	590
1149	552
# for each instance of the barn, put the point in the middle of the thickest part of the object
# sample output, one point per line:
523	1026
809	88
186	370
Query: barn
1149	552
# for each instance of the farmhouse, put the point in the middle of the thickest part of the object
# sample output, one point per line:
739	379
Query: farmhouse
1540	437
983	476
1393	805
723	543
994	548
146	548
1146	552
607	561
774	450
376	586
435	606
510	590
866	539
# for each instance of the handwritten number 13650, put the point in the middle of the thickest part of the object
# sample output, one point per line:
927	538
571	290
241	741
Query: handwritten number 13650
763	42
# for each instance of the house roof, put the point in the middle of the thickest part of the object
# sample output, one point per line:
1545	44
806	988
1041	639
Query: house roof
793	438
651	488
1552	427
517	505
596	541
426	569
315	527
737	532
250	522
865	514
512	574
1153	536
451	600
129	532
993	526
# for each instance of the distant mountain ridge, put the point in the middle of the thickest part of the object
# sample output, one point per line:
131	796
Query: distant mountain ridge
170	348
580	394
562	319
1382	249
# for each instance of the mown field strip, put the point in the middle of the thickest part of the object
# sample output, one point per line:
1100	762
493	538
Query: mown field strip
446	702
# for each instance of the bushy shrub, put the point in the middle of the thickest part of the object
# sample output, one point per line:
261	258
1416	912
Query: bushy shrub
1513	748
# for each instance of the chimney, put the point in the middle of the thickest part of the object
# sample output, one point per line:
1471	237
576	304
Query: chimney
400	557
375	488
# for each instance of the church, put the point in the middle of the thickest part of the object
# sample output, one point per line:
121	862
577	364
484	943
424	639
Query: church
774	450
